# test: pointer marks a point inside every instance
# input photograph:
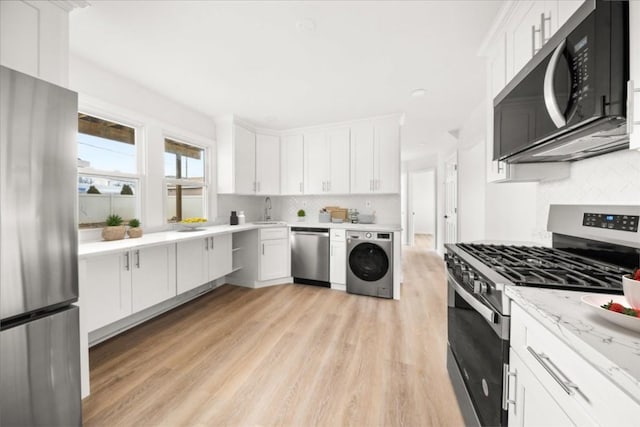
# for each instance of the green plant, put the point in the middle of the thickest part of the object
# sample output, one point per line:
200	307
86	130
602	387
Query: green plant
301	213
93	190
126	189
114	220
134	223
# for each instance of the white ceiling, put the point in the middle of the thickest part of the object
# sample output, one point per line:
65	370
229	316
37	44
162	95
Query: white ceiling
364	58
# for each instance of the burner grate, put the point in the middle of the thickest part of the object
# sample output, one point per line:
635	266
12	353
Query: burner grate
548	268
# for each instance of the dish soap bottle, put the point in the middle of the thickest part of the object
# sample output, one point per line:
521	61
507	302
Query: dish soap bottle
241	217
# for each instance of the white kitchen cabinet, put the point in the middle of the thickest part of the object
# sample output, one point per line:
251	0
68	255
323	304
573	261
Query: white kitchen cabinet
107	289
274	259
634	74
192	264
375	157
338	257
566	8
247	163
531	405
292	165
326	162
584	393
267	160
202	260
153	275
244	161
220	256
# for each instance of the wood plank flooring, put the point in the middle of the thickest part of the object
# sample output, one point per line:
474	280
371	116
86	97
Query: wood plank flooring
290	355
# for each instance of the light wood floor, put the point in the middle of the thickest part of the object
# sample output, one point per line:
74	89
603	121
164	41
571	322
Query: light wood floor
286	355
424	241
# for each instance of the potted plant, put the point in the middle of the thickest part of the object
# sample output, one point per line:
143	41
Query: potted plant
114	229
134	228
126	190
301	215
93	190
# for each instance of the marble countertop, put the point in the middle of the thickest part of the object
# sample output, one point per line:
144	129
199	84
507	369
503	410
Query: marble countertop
87	249
612	349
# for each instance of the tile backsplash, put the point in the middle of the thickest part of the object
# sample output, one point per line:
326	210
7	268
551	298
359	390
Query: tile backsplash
285	208
608	179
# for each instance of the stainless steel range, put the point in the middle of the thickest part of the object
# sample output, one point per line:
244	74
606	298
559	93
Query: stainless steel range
592	247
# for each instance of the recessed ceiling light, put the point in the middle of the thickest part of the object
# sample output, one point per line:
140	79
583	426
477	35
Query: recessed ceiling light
418	93
306	24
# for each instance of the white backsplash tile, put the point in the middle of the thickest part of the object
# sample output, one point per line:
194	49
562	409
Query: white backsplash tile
608	179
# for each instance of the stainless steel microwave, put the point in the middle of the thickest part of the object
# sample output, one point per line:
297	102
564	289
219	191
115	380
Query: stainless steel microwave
569	101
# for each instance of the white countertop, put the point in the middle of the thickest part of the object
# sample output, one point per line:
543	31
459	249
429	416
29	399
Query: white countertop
87	249
612	349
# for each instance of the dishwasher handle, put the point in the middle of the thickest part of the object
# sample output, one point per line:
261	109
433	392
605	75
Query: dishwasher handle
310	233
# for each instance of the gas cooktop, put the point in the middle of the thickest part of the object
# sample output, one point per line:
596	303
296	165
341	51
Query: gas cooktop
548	268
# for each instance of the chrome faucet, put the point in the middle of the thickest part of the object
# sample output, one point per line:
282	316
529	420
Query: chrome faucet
267	209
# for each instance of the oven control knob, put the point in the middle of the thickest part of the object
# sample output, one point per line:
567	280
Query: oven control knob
479	287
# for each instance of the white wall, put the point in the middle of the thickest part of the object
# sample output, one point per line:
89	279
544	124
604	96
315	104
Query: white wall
422	185
108	95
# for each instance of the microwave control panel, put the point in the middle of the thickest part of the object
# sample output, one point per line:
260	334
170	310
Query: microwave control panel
611	221
580	70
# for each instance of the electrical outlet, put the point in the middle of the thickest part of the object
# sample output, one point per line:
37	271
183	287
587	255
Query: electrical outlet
368	203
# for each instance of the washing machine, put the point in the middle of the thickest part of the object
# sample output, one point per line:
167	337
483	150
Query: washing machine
370	263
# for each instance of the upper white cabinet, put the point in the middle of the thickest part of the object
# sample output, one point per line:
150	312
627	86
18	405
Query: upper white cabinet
634	73
247	163
326	162
267	164
375	157
292	165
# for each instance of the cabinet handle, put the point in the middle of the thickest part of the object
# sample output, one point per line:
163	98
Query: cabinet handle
138	259
543	32
206	244
324	186
212	247
533	40
258	186
328	185
126	261
506	374
254	186
263	249
301	189
545	361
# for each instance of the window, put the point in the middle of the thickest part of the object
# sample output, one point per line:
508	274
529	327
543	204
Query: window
184	166
107	171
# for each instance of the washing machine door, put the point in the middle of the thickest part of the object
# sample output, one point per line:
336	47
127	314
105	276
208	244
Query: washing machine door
368	262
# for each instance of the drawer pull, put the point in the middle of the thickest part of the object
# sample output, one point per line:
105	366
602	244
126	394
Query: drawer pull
545	361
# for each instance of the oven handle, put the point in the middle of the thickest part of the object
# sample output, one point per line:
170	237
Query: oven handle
484	311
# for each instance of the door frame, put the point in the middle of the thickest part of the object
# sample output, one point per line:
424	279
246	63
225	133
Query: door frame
450	193
410	213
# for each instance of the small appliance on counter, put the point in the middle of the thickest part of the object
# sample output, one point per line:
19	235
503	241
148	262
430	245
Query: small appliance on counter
367	218
593	246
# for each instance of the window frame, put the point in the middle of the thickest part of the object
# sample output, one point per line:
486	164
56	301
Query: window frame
204	184
140	145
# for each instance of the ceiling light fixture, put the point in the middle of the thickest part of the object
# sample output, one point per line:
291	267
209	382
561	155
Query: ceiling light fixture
306	24
418	93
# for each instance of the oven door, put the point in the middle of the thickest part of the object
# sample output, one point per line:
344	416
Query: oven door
479	343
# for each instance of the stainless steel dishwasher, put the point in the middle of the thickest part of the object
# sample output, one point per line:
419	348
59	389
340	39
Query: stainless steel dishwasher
310	255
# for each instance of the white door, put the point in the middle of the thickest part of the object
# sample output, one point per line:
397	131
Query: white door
107	289
267	164
362	158
451	200
154	276
386	167
339	161
191	264
245	160
404	208
316	163
274	258
338	262
220	256
291	165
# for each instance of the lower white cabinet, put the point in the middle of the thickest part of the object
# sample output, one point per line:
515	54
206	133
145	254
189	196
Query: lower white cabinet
106	289
338	257
202	260
530	404
153	276
565	383
274	259
117	285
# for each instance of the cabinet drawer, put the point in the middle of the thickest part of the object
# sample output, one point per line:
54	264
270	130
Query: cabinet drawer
585	393
338	235
274	233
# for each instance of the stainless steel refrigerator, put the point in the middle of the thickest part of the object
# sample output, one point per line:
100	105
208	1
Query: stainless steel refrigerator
39	331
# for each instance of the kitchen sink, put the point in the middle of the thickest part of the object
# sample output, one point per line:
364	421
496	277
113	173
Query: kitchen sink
267	222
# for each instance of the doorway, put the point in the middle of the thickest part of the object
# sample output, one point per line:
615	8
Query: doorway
421	201
451	199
